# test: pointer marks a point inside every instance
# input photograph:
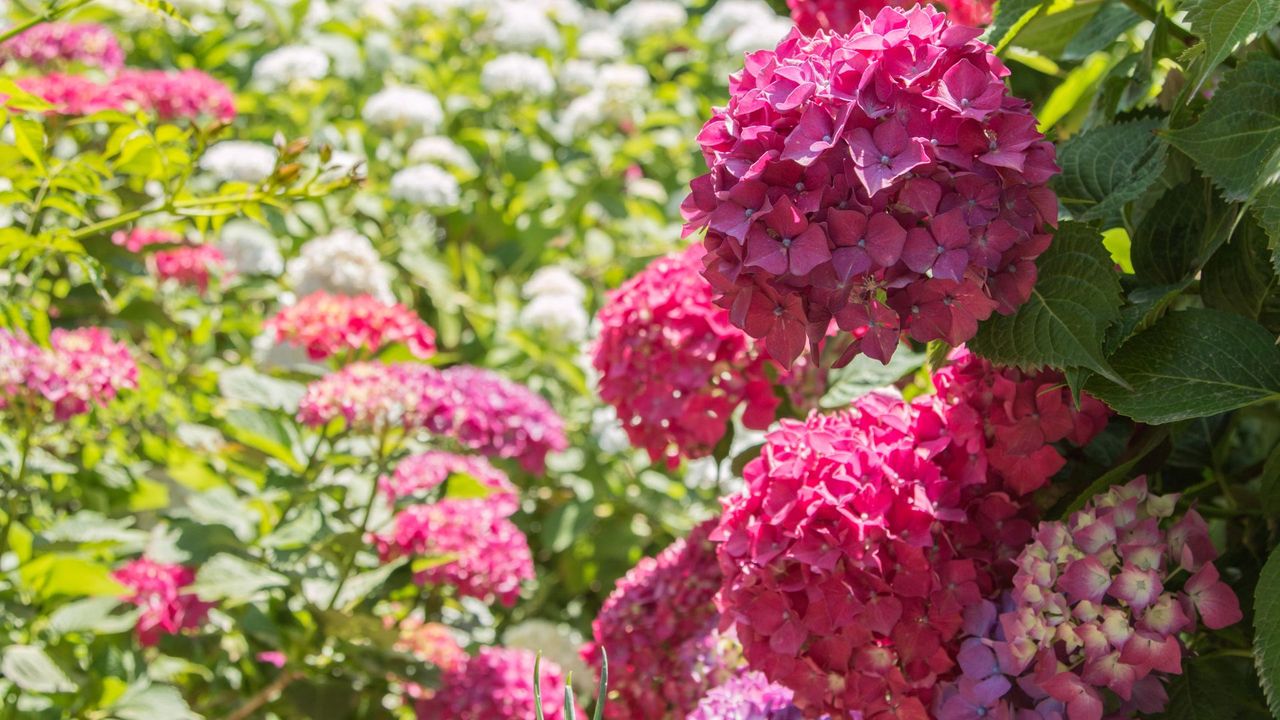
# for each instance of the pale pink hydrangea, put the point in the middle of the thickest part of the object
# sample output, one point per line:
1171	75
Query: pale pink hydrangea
422	475
672	364
747	696
494	416
169	95
657	626
157	588
883	179
489	555
58	42
81	369
1092	624
328	325
497	684
371	397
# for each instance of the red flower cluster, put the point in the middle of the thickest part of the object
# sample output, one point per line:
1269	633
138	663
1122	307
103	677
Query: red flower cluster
191	265
80	369
496	684
672	364
842	16
54	42
156	588
417	476
494	416
490	557
655	625
1092	615
884	179
331	324
170	95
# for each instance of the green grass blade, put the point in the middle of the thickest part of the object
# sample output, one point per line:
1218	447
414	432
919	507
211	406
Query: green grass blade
604	685
537	687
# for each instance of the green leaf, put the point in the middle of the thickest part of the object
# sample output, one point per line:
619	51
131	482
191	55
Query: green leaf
1102	30
361	585
1266	625
1009	18
1203	692
54	574
1107	167
603	692
1236	141
28	667
1240	279
1076	89
464	486
1075	300
263	431
1182	230
233	579
1148	439
250	386
1222	25
96	614
28	136
1270	486
1266	210
537	687
1192	363
152	702
865	374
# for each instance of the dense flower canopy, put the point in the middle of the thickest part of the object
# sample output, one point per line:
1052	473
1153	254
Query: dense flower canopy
496	684
49	44
170	95
157	589
80	369
332	324
673	366
884	179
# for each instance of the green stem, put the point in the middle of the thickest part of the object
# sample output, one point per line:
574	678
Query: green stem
13	495
350	560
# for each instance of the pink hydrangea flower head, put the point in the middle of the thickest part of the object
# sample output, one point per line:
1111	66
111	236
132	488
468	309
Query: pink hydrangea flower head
490	557
329	325
53	43
839	16
747	696
157	589
137	239
192	265
432	643
657	627
371	397
1094	616
427	474
836	578
974	13
73	94
672	364
883	179
82	368
169	95
497	684
489	414
17	356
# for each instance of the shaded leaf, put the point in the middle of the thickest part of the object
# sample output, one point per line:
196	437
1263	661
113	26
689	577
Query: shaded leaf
248	385
1222	25
864	374
1240	279
1010	17
1266	625
230	578
1106	167
28	667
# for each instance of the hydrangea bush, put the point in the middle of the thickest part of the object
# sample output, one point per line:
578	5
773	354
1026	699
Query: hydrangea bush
779	360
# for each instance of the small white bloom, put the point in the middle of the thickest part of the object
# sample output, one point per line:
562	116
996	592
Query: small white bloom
578	76
344	263
727	16
239	161
556	643
517	73
404	107
250	249
442	151
647	18
602	44
554	280
611	436
426	185
523	26
760	35
560	316
582	114
622	83
292	63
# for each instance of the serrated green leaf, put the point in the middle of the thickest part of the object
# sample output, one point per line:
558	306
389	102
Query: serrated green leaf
1192	363
1009	18
864	374
1266	210
96	614
1240	279
1075	299
1107	24
1107	167
28	667
229	578
1222	25
1266	626
248	385
361	585
1202	692
151	702
1236	141
1180	232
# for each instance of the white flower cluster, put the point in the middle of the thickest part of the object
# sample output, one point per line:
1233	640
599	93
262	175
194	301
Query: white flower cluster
729	16
239	161
426	185
761	35
517	74
617	92
343	263
555	297
250	249
600	44
403	107
442	151
292	63
523	25
556	643
647	18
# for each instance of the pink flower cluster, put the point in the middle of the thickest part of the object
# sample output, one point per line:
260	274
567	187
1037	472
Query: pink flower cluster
1093	615
487	556
654	625
842	16
418	476
371	397
672	364
884	179
497	684
156	588
137	239
50	43
331	324
494	416
747	696
169	95
432	643
80	369
190	265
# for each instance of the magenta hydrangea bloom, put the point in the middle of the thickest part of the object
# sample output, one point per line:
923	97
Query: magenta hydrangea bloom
490	556
58	42
747	696
157	589
17	356
371	397
329	325
82	368
138	239
843	16
192	265
658	628
494	416
419	476
169	95
672	364
1094	616
883	179
497	684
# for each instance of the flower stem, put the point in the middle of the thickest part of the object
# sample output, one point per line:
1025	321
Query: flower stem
350	560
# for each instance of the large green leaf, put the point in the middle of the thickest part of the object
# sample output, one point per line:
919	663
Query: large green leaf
864	374
1179	233
1266	626
1203	692
1108	166
1240	278
152	702
250	386
1193	363
1222	25
1236	141
1266	210
233	579
1075	299
28	667
1010	17
53	574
